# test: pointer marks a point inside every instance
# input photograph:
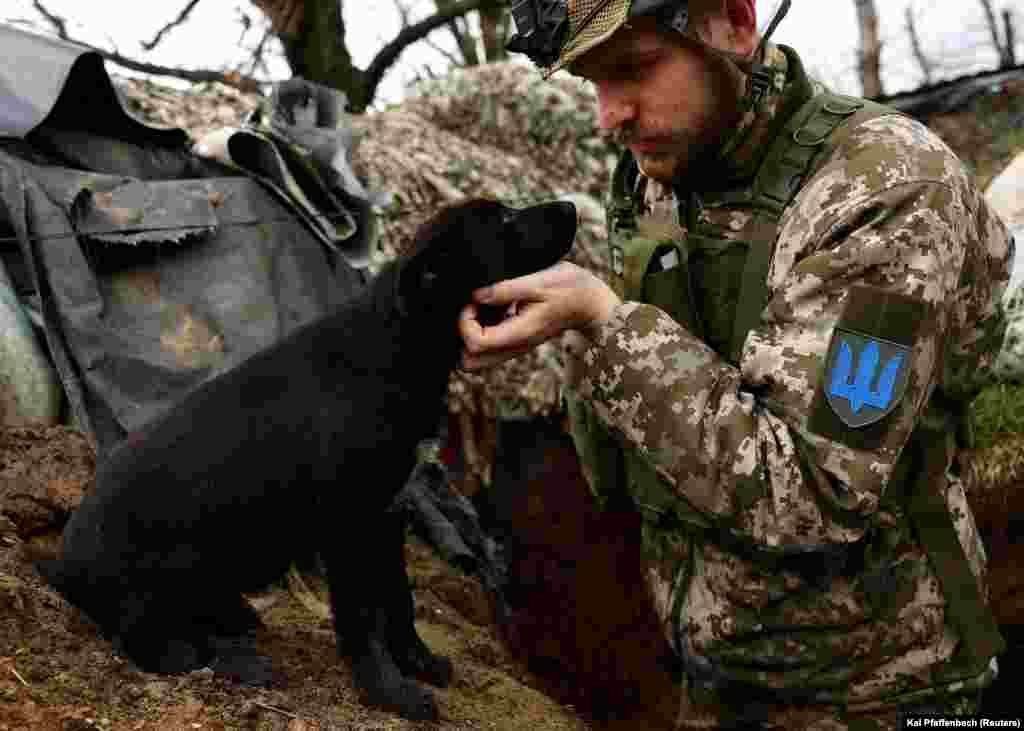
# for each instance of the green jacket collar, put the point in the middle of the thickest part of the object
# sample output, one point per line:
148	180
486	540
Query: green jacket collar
743	152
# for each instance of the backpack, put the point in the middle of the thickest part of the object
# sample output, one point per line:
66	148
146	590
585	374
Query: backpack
146	268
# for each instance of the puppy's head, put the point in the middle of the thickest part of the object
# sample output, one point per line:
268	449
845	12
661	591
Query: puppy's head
480	242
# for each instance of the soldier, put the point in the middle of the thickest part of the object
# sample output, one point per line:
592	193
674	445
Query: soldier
805	300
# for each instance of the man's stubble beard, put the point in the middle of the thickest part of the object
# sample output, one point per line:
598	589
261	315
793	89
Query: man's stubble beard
683	160
695	151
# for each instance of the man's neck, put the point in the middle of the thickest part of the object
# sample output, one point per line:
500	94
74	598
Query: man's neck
742	151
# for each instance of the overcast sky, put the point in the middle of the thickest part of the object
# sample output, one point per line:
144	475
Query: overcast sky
953	34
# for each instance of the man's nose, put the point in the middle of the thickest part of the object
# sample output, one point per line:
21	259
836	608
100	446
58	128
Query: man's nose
615	108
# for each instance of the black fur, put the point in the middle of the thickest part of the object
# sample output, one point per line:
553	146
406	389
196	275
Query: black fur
297	451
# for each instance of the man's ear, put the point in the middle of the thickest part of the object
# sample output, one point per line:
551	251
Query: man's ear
728	25
742	15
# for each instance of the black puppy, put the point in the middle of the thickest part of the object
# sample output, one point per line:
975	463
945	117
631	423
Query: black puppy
299	450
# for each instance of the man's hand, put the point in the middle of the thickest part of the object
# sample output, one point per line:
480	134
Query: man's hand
548	302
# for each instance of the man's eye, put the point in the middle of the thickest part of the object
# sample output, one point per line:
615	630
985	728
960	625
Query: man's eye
633	67
624	70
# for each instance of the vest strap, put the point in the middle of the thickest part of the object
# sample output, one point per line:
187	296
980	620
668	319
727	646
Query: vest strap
980	639
785	167
637	261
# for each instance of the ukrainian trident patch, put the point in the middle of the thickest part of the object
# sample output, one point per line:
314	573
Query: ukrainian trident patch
865	377
867	369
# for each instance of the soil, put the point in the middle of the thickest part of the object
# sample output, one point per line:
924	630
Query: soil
57	673
581	652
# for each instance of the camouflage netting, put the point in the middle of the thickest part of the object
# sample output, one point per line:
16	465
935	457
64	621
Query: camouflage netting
497	131
198	111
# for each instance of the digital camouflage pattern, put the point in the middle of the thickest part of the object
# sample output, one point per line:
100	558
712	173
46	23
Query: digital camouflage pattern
824	595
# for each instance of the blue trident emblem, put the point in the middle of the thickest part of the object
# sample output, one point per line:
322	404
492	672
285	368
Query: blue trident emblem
855	388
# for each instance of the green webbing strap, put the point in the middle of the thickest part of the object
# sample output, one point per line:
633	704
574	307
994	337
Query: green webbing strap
631	254
621	215
785	167
753	295
980	640
636	260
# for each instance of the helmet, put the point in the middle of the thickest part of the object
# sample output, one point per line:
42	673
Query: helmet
553	33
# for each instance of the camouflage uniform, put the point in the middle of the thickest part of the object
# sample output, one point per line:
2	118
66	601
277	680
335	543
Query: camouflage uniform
787	577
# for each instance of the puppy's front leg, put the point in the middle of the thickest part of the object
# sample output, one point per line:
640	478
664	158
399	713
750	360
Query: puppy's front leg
360	624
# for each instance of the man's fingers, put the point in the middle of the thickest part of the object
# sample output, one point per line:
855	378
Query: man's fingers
506	292
528	328
469	322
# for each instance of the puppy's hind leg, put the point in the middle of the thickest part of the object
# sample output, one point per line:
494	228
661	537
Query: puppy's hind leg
231	622
160	654
154	639
230	615
164	633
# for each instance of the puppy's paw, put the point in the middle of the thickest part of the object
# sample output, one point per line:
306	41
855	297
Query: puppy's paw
238	661
384	685
408	699
163	656
417	660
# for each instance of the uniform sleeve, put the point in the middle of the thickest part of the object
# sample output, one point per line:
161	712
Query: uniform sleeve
891	210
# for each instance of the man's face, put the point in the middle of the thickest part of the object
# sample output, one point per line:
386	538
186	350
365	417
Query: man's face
664	97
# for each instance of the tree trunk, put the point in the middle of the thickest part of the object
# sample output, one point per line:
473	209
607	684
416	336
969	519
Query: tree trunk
494	33
870	49
312	33
463	38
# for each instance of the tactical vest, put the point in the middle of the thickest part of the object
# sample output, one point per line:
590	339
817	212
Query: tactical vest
717	288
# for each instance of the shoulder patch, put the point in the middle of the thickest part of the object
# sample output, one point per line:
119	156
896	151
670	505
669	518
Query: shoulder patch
865	377
867	367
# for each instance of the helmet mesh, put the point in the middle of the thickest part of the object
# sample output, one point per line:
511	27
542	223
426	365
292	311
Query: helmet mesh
598	29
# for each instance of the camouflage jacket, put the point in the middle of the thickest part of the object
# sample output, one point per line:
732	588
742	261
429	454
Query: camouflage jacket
891	209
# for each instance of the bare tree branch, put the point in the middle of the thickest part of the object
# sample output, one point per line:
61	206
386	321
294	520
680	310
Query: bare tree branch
1011	38
231	78
246	22
463	38
465	42
258	61
196	76
451	57
387	56
60	26
915	45
182	17
403	13
993	29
